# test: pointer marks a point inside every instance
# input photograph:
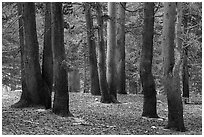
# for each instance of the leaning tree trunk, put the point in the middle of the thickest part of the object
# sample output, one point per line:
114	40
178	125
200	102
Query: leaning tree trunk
37	91
120	51
147	80
111	47
61	96
47	64
95	88
105	98
171	67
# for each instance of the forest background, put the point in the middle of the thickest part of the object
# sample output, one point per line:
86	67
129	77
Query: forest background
76	47
77	50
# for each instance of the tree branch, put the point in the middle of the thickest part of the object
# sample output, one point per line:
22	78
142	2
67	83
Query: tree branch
138	9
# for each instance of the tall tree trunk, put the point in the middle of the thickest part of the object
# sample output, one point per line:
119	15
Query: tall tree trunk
37	91
171	67
61	97
147	80
85	72
95	88
120	51
185	73
111	47
47	64
105	98
24	95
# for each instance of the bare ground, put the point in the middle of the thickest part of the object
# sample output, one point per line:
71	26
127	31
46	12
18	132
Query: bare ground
95	118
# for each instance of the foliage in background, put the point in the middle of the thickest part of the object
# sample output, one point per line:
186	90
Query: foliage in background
76	47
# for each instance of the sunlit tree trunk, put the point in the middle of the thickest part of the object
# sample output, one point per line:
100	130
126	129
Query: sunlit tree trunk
37	91
111	48
47	64
147	80
171	66
105	98
61	96
120	50
95	88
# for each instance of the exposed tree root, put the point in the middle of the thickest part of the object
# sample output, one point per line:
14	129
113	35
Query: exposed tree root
114	99
176	128
21	104
105	100
111	99
63	113
150	115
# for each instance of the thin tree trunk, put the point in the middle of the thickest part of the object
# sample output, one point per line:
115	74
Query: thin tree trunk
61	97
172	66
111	47
85	78
185	76
37	90
185	73
95	88
47	64
120	51
147	80
105	98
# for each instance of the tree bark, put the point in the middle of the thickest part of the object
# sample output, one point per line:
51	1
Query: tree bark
120	51
171	67
24	95
86	90
37	91
185	73
147	80
61	96
95	88
105	98
47	64
111	48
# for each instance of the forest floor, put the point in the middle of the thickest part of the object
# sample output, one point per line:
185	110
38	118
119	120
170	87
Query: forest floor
94	118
